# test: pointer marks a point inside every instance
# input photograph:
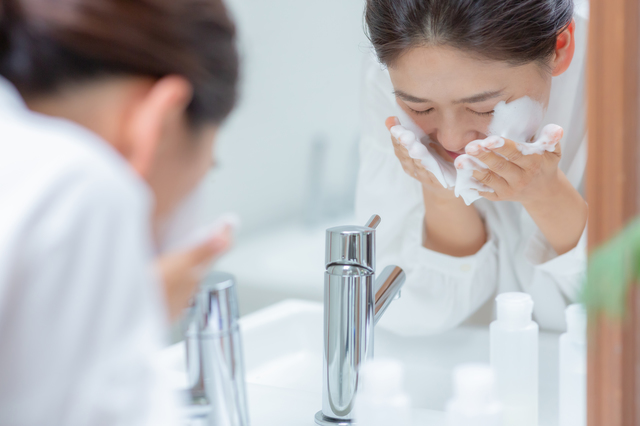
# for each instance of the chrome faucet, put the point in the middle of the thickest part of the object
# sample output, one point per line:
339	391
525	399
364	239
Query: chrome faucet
215	366
353	304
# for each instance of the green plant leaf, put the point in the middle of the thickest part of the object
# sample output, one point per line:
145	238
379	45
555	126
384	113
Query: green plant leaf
612	268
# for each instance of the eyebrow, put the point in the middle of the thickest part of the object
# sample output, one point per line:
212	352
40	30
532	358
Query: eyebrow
480	97
470	100
409	98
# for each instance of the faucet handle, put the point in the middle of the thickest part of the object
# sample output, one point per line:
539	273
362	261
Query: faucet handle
352	245
373	222
216	304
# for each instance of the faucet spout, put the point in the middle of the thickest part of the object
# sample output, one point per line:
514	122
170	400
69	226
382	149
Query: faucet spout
352	307
215	363
389	284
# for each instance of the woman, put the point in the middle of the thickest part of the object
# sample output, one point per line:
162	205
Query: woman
448	64
108	113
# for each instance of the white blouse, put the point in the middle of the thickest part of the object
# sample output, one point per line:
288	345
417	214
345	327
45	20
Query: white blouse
442	291
81	314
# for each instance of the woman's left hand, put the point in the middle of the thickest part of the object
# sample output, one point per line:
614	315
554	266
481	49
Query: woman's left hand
538	184
514	176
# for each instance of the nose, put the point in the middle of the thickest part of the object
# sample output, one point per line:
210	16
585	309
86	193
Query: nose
453	136
453	139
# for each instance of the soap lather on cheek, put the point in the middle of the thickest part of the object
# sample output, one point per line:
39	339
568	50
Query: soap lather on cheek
417	150
518	121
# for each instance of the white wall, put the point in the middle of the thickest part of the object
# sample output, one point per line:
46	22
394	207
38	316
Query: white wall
301	64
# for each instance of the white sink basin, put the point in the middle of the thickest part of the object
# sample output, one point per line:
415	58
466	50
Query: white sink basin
283	354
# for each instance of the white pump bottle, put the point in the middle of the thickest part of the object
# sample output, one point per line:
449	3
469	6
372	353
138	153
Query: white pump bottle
475	402
381	400
573	368
514	358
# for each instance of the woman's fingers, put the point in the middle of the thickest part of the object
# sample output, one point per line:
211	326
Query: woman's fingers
512	151
491	196
209	250
496	163
403	155
408	163
406	145
182	271
492	180
391	121
423	174
504	147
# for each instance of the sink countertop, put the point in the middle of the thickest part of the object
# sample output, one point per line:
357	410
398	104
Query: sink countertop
283	358
270	406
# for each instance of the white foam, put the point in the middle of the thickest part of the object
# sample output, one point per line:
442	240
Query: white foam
467	186
518	121
549	138
458	176
420	149
491	142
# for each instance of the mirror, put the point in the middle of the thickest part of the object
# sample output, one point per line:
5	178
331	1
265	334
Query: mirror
313	117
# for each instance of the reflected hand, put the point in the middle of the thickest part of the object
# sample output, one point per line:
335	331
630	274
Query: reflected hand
416	170
181	271
515	176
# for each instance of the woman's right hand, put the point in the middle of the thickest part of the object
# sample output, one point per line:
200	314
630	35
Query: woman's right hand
416	170
181	271
450	226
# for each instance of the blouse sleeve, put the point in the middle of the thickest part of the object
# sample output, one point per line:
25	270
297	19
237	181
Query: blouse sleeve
98	315
441	291
554	279
567	270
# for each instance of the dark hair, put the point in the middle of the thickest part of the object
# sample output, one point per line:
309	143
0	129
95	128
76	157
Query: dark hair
515	31
47	44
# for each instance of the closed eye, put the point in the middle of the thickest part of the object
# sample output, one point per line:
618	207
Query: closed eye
426	111
482	114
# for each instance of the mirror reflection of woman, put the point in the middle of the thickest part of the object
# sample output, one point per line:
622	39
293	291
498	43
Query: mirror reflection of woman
445	65
108	115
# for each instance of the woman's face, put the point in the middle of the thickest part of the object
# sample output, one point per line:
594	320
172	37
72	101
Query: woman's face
451	95
146	120
183	158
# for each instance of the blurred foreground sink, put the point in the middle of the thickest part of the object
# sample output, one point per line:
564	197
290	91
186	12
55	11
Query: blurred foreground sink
283	354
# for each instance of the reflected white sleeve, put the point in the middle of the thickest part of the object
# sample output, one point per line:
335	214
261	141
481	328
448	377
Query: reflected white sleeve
99	322
556	279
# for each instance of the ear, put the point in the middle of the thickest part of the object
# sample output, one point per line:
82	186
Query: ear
565	47
165	103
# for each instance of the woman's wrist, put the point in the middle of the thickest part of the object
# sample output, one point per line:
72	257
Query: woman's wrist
441	197
450	226
545	194
551	196
560	213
